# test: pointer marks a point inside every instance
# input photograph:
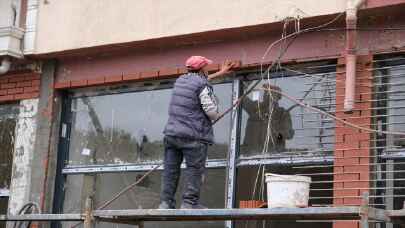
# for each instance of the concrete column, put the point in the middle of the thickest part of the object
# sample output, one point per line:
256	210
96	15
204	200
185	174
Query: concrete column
45	159
23	154
34	164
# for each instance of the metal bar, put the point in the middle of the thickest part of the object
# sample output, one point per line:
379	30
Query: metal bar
43	217
70	169
88	218
364	211
328	213
284	161
233	148
390	191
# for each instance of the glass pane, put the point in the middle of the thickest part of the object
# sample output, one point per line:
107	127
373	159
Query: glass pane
223	127
251	185
127	127
395	105
8	116
3	209
144	196
292	129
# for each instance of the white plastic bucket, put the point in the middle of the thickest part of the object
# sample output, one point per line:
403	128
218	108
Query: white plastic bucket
287	191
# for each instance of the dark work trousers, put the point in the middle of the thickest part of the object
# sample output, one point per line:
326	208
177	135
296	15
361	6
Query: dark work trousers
195	154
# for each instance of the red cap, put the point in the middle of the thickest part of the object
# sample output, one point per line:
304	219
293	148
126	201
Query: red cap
197	62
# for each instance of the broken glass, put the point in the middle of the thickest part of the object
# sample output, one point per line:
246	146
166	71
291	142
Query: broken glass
271	124
128	127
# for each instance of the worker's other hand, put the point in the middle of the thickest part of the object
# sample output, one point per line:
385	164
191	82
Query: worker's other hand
227	66
267	86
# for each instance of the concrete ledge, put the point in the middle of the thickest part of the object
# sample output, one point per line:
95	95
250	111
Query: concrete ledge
10	41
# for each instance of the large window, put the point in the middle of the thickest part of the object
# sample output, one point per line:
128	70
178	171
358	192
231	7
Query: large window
112	136
389	114
8	118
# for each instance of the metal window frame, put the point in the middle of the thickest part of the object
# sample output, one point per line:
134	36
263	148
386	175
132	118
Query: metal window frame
5	193
232	162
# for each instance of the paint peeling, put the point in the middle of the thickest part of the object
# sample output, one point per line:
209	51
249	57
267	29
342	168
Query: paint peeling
23	153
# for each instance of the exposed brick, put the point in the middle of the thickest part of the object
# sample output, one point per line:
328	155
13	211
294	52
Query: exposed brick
61	85
3	92
352	201
345	224
78	83
26	96
114	78
16	79
36	82
96	81
357	137
8	86
168	72
24	84
346	130
356	168
338	201
365	144
4	79
149	74
347	161
346	146
32	77
15	90
213	67
337	169
346	177
131	77
31	89
346	192
6	98
339	138
356	184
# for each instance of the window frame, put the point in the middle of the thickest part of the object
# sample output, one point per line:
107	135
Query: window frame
230	163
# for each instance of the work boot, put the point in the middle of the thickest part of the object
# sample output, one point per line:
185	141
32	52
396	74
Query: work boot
165	205
192	206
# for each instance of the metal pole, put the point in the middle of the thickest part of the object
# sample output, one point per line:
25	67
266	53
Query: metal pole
232	155
364	211
88	220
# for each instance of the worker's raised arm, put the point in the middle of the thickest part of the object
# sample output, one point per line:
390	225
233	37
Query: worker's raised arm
225	69
209	103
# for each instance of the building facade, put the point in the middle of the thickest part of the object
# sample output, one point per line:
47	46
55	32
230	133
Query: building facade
84	101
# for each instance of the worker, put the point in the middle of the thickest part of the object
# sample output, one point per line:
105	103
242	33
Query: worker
188	132
259	111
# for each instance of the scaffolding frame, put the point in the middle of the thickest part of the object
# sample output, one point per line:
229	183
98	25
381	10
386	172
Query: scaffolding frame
363	213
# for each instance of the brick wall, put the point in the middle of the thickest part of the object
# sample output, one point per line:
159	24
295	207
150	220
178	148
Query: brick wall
19	86
352	148
139	76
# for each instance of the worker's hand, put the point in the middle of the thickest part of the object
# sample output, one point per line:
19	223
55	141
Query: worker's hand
226	67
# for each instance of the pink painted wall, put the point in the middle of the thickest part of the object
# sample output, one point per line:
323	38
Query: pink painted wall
249	49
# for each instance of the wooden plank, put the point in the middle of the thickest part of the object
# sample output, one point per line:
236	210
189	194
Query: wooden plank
328	213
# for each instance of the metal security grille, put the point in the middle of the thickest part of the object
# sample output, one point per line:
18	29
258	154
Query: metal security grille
389	114
303	146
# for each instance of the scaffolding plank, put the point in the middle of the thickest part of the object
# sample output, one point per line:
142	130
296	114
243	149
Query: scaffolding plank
42	217
327	213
